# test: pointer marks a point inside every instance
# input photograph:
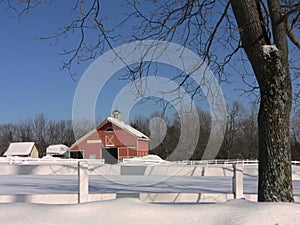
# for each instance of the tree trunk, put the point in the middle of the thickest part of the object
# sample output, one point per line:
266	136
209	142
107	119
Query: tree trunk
270	65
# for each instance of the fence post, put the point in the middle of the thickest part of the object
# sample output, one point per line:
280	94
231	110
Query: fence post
237	181
83	182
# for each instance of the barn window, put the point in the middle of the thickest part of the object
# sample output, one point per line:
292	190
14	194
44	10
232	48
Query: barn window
76	154
109	140
92	156
109	129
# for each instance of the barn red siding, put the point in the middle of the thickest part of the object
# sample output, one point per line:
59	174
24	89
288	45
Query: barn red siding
118	137
143	147
90	146
123	152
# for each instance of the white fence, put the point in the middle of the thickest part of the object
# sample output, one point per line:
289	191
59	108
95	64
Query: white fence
83	169
224	161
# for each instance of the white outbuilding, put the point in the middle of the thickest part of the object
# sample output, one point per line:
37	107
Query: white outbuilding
56	150
22	149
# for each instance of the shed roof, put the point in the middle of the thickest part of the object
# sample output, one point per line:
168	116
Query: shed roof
58	149
19	148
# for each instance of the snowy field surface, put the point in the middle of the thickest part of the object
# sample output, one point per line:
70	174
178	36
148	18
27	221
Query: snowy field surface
66	184
125	184
133	212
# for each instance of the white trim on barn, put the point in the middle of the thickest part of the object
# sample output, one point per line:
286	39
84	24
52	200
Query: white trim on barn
94	141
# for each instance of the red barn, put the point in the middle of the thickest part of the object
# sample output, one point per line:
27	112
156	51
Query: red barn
112	140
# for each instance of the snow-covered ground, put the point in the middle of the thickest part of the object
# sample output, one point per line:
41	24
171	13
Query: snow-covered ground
125	184
66	184
132	211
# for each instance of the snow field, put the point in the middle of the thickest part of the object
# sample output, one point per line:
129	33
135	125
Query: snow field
132	211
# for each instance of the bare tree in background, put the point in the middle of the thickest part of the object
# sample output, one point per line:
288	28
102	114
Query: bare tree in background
40	126
60	132
141	123
205	128
295	135
159	140
6	137
24	131
250	133
40	130
82	127
235	116
258	29
158	129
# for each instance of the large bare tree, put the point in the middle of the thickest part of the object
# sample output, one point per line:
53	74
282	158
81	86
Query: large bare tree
225	34
271	69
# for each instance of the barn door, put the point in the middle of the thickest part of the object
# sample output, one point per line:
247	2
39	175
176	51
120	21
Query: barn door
110	155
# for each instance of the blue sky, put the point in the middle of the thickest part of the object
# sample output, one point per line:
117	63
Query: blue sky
31	79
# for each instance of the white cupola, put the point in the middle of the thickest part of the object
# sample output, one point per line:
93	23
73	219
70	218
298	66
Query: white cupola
116	114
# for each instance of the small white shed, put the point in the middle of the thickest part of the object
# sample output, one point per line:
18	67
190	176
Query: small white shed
59	149
22	149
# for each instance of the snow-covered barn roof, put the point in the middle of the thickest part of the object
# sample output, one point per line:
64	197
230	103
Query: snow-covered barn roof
19	148
126	127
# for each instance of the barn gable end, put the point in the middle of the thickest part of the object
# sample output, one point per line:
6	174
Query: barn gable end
112	140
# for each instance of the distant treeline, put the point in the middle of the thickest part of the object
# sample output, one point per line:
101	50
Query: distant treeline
42	131
240	141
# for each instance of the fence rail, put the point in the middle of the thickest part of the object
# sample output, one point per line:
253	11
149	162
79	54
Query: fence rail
83	169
